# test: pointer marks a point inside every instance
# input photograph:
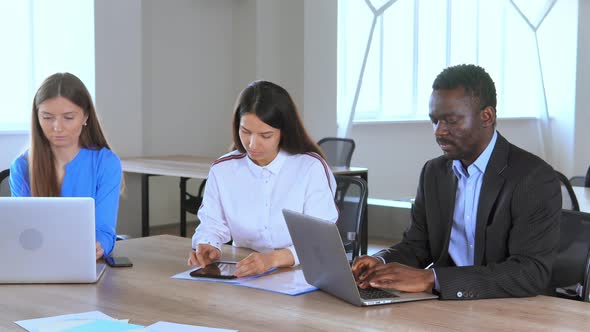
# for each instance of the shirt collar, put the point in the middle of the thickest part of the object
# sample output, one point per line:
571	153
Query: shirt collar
274	167
480	163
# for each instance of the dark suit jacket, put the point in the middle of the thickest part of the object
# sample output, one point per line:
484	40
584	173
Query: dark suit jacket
517	231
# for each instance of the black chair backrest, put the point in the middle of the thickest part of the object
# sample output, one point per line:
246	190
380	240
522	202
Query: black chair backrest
568	195
571	265
192	203
4	175
578	181
338	151
351	196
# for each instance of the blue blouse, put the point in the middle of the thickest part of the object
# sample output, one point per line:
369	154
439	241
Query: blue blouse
92	173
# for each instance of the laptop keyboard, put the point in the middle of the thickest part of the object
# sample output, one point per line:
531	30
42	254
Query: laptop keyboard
374	293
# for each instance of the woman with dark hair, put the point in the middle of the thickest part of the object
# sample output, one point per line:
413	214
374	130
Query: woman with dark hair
69	155
275	165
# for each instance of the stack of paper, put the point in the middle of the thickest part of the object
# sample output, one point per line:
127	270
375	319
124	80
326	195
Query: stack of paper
82	322
96	321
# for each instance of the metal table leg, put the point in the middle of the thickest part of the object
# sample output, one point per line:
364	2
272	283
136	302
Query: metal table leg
182	212
145	201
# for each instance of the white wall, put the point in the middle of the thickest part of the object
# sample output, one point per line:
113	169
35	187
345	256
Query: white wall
118	47
244	43
188	94
269	44
118	43
11	145
319	67
279	45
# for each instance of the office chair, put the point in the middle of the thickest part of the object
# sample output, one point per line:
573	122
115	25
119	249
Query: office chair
189	203
351	197
580	180
568	196
337	150
6	173
570	277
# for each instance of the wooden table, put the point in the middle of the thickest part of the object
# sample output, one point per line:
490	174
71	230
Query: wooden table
583	196
197	167
146	294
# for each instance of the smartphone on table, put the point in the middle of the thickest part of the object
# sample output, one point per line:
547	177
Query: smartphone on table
216	270
120	261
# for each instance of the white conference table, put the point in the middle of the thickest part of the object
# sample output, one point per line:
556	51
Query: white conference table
583	196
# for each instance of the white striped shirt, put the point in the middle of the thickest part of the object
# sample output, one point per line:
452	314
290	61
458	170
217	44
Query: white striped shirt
244	201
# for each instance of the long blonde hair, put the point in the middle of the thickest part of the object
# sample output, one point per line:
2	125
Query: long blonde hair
42	171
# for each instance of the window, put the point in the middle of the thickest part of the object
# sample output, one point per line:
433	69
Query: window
40	38
389	52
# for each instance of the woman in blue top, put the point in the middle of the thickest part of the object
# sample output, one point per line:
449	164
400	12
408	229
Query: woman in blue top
69	155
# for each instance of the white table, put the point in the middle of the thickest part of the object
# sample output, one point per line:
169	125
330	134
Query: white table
583	196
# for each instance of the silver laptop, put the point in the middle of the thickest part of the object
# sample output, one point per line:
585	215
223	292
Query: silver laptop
325	265
48	240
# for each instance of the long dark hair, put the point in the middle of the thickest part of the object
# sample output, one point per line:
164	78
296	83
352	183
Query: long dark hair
42	172
273	105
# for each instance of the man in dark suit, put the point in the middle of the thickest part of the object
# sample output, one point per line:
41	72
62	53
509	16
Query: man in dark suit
486	214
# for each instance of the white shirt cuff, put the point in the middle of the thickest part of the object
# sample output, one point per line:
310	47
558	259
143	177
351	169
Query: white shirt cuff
436	285
214	243
295	258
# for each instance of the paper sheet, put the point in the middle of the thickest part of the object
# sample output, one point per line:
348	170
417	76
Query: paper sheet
105	325
96	321
290	282
70	320
173	327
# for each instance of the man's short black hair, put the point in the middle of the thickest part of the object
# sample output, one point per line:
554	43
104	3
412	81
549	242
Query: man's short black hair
476	81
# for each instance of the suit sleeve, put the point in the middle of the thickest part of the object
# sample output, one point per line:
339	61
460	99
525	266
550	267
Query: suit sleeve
414	249
106	202
532	244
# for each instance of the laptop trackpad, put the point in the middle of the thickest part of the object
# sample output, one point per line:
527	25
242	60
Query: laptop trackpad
375	293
